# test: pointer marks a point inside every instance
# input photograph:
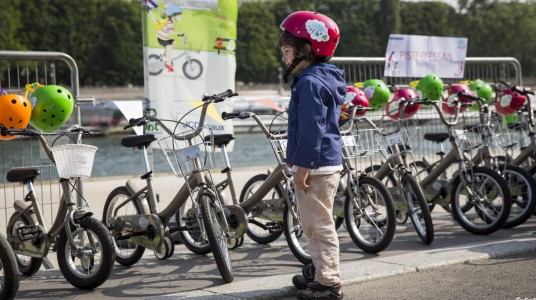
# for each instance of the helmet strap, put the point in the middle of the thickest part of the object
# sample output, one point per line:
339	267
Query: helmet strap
292	66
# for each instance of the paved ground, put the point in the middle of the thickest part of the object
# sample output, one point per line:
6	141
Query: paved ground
265	271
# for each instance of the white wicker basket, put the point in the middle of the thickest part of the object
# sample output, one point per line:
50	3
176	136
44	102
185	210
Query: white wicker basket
186	157
74	160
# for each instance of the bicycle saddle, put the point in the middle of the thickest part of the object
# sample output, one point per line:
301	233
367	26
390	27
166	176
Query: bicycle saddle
220	139
138	140
436	137
22	174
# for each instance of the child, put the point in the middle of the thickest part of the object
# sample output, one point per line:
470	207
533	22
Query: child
314	149
170	16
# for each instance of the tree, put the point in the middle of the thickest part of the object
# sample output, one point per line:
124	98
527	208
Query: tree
390	18
257	38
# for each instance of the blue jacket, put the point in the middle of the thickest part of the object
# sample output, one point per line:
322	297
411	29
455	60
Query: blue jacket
314	139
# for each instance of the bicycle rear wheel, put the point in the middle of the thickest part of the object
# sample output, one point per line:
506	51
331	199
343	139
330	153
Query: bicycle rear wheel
483	204
126	253
370	215
9	275
418	208
216	236
261	229
192	237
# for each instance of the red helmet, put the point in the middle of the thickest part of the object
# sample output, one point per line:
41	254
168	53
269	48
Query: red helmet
320	30
355	97
392	108
447	106
509	102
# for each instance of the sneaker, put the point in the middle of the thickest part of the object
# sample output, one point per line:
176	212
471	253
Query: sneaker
169	67
316	290
307	276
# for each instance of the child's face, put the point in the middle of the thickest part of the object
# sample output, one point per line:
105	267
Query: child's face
288	55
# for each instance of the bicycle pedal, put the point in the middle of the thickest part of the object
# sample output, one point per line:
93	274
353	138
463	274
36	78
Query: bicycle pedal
29	232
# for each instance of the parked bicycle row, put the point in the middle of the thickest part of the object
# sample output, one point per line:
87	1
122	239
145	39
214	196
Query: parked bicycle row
484	194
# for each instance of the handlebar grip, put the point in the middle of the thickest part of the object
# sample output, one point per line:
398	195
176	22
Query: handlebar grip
470	97
136	122
522	90
235	115
220	97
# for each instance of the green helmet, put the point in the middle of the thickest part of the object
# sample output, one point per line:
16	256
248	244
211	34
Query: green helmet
430	87
53	107
377	93
482	90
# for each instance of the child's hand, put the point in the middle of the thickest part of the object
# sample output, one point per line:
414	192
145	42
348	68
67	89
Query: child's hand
300	178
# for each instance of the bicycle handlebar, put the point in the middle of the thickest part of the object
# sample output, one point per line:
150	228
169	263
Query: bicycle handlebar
207	99
436	103
247	114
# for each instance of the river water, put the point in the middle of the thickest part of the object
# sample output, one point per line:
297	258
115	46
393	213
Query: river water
111	159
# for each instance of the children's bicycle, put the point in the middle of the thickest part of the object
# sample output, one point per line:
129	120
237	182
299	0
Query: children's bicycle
489	134
369	210
82	243
9	274
479	197
398	138
132	215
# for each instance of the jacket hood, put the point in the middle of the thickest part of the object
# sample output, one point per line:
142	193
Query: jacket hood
332	78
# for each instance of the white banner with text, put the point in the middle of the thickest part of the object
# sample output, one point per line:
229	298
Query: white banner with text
418	56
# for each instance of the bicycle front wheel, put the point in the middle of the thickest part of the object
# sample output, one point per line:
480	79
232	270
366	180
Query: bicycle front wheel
296	238
481	204
88	264
418	208
9	275
216	236
370	215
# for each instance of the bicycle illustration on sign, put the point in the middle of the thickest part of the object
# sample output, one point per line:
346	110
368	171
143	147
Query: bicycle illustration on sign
192	68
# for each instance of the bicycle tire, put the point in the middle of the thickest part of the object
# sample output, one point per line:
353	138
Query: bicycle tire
10	277
523	190
532	171
192	238
94	270
256	232
492	208
420	167
370	234
126	253
418	208
294	235
27	265
390	182
216	237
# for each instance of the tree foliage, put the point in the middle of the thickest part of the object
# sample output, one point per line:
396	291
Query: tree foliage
104	36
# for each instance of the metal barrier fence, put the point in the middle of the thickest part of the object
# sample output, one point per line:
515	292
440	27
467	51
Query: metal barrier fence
489	69
20	68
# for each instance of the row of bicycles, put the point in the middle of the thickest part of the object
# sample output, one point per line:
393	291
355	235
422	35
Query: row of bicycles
486	192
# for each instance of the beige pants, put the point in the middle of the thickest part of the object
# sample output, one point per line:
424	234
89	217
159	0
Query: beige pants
316	214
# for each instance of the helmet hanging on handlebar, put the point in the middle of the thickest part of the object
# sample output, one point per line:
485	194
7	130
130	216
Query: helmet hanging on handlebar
53	107
15	112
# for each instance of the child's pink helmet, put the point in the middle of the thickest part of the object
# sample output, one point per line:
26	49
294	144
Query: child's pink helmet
320	30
